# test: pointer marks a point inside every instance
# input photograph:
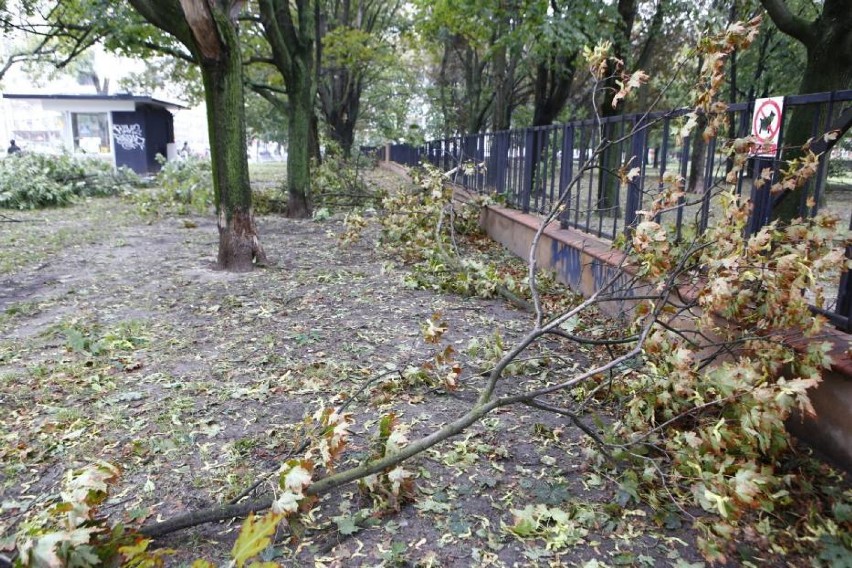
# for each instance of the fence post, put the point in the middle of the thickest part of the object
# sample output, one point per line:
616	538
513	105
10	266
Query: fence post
526	189
490	141
844	293
708	183
566	172
634	186
502	161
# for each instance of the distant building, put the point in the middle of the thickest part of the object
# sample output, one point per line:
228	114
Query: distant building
124	129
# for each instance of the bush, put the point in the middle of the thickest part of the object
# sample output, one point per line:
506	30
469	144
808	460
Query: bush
32	181
185	186
337	182
268	201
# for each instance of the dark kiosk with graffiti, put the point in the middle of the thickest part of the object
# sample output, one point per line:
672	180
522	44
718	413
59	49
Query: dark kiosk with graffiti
130	129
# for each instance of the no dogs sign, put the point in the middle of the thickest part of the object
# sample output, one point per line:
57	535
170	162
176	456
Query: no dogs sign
766	124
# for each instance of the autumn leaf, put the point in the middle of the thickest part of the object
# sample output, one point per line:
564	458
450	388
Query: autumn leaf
254	537
297	478
627	84
287	502
397	477
434	329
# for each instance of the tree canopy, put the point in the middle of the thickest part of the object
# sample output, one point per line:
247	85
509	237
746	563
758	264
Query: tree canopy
366	71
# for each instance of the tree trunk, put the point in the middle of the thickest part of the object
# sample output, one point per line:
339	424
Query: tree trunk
299	152
341	113
239	247
828	41
826	71
610	159
344	135
290	29
697	158
502	91
314	139
207	30
503	79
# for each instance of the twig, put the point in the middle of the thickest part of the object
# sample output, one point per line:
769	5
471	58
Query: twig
306	442
602	445
326	484
588	341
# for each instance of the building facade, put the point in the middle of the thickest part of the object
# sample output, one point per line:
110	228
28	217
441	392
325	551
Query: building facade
124	129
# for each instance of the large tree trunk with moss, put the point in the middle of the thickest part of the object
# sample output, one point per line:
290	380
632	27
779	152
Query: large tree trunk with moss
239	247
208	31
299	151
828	40
290	29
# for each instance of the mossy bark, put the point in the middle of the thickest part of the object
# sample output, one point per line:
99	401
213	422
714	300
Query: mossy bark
290	28
828	40
299	152
209	33
239	246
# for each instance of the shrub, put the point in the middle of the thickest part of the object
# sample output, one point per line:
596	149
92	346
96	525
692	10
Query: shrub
268	200
32	181
337	182
182	185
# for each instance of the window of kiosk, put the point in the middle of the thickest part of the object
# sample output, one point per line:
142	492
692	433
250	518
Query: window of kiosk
91	132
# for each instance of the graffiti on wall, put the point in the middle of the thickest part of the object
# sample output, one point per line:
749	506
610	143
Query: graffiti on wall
128	136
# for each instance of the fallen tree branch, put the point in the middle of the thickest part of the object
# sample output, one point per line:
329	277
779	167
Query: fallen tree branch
602	445
306	442
326	484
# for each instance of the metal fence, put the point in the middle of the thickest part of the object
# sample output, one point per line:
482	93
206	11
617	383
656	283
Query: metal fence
531	168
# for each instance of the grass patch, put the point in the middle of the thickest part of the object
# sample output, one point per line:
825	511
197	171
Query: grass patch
44	233
268	173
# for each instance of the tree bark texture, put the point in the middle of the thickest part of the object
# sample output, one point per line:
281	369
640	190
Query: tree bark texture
208	31
500	117
239	246
291	40
299	152
610	159
828	41
340	96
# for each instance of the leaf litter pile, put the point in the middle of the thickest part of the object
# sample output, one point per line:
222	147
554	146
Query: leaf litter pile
126	347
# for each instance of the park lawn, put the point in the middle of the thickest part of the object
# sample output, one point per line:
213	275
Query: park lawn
129	347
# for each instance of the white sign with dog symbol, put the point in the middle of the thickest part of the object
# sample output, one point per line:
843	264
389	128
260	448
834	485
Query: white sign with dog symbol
766	124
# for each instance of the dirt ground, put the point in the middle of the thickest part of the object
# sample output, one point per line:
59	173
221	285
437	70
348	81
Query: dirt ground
119	342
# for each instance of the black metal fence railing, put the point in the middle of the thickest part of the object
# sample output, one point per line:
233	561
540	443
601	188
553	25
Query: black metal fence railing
532	167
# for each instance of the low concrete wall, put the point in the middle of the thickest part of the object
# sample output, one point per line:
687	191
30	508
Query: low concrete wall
829	432
584	263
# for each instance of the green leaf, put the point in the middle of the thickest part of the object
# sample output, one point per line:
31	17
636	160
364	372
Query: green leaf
346	525
842	512
834	553
75	340
525	522
254	537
